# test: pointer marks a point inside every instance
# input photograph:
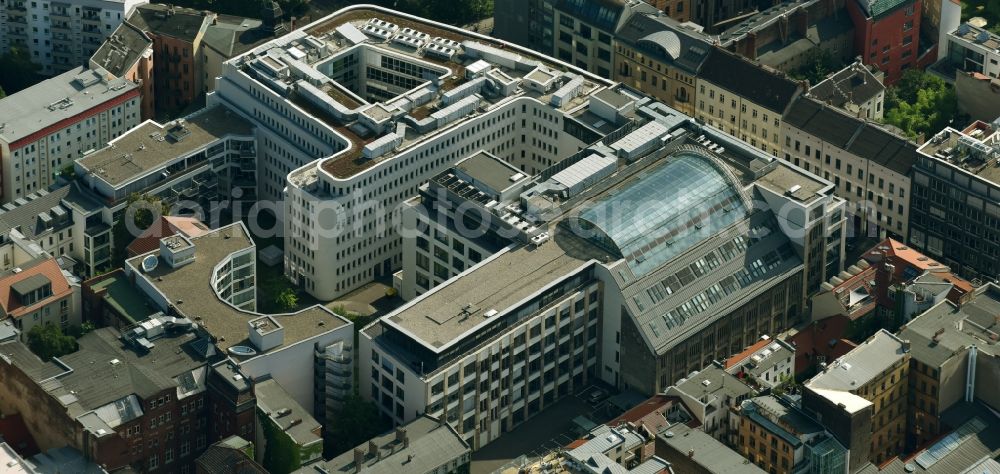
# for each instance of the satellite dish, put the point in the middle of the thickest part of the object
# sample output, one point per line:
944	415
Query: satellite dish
149	263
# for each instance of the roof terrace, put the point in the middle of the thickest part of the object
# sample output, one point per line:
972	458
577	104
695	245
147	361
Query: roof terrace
188	289
975	150
150	146
420	76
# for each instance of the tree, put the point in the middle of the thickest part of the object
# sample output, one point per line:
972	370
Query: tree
286	301
819	63
143	217
48	341
357	421
920	104
18	70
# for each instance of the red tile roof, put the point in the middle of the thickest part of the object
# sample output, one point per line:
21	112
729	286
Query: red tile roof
47	268
736	359
823	338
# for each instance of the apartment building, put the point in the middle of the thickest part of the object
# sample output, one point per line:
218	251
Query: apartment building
887	34
128	54
582	31
58	121
35	291
60	35
766	364
526	23
870	166
146	399
950	361
690	450
854	89
862	399
744	99
211	279
780	438
954	215
661	58
785	35
583	297
193	164
712	395
378	114
974	49
424	446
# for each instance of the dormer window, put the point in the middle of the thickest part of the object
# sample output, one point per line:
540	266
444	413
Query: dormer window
32	289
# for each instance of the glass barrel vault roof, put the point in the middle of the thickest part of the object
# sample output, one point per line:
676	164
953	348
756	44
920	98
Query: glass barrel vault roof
664	212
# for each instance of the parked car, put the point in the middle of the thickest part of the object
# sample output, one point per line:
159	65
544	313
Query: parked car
597	395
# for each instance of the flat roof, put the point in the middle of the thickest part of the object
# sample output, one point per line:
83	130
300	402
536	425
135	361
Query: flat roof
124	298
151	145
705	451
189	290
862	364
53	100
430	444
944	330
944	147
499	282
286	413
784	178
489	170
350	161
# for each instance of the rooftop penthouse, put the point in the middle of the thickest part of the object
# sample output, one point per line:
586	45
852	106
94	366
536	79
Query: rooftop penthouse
153	153
975	150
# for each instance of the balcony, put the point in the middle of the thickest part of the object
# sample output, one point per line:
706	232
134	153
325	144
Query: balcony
60	15
61	26
91	20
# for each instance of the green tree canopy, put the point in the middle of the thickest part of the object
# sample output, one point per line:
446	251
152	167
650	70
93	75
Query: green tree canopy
18	72
143	217
286	300
48	341
357	421
819	63
920	104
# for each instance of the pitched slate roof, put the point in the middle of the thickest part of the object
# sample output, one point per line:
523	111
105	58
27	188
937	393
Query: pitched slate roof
859	137
748	80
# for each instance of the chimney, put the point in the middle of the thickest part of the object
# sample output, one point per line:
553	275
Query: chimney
372	448
359	459
401	437
691	453
906	345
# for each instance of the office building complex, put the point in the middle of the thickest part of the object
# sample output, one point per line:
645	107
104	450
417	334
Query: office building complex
870	165
58	121
575	293
211	280
862	399
353	114
954	215
60	35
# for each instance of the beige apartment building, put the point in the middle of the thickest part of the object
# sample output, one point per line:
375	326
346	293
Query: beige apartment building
744	99
869	165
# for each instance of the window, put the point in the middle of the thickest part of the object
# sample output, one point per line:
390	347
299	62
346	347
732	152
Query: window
909	24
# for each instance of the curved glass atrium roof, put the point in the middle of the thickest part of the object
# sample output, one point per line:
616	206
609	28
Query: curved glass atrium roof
662	213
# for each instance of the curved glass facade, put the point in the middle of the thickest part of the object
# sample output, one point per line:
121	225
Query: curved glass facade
664	212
